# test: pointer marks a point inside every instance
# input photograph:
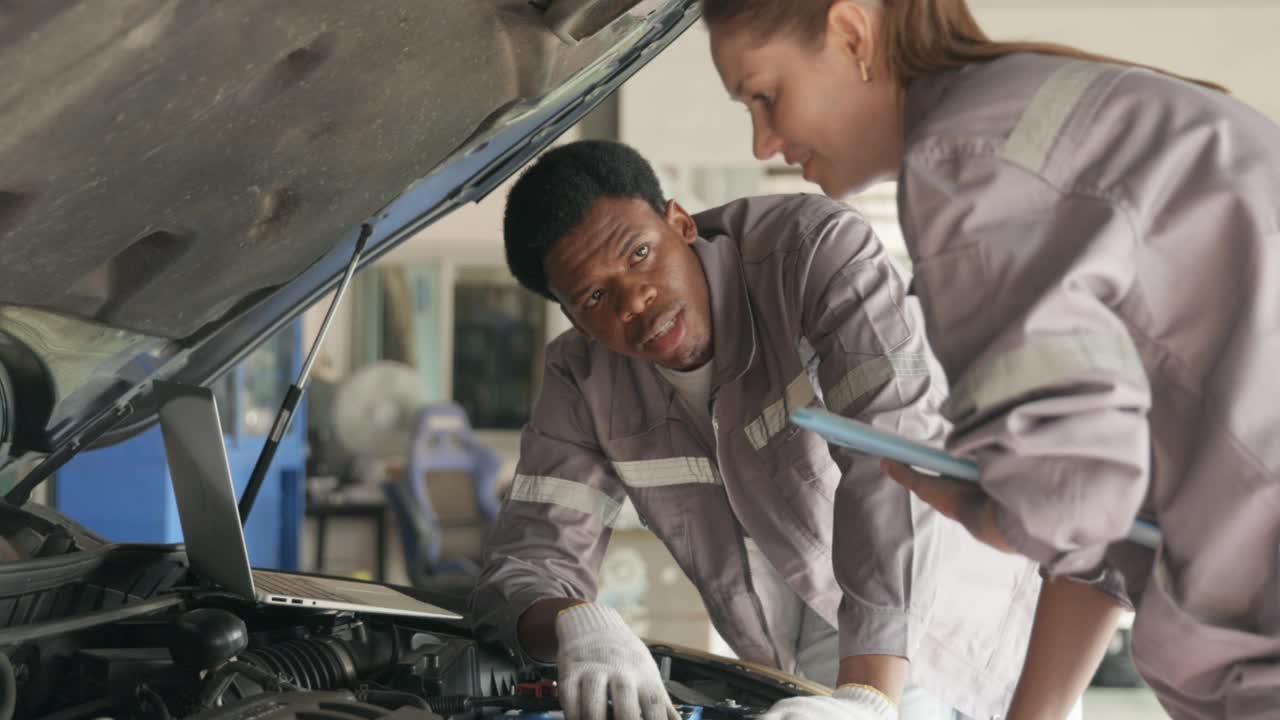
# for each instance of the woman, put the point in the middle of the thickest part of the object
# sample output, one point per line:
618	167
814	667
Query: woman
1097	249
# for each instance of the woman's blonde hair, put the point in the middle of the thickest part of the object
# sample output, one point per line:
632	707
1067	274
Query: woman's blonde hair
922	37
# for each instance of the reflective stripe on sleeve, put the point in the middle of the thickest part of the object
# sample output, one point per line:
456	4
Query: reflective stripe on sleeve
567	494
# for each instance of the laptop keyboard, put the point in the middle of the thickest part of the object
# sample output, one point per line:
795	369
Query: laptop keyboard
294	586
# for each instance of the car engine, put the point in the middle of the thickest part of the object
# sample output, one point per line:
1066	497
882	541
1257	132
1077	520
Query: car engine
101	630
220	662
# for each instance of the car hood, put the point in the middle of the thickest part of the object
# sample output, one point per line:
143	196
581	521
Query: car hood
179	179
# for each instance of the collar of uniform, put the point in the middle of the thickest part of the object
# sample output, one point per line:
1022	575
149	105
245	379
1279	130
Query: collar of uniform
733	335
923	96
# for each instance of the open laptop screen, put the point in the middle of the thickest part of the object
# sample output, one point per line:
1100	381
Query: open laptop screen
203	487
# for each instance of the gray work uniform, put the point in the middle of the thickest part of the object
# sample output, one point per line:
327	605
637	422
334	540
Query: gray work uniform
808	310
1097	251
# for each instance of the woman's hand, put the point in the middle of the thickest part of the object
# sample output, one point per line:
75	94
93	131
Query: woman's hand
962	501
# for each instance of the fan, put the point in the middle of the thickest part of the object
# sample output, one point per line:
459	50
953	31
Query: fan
374	411
450	497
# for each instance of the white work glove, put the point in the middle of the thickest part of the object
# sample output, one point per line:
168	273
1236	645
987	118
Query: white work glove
853	702
601	659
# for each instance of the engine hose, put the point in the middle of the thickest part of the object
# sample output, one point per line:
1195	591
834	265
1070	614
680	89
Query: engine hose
8	688
450	704
309	664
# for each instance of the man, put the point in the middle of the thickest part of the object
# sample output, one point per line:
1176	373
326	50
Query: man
695	338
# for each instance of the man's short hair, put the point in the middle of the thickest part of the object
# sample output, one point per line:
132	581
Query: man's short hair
555	194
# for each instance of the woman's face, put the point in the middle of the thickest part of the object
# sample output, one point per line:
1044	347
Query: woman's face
809	101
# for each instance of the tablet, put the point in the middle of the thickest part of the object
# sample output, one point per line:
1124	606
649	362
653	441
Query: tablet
850	433
857	435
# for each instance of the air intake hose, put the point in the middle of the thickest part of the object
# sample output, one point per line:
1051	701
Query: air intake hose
309	664
325	663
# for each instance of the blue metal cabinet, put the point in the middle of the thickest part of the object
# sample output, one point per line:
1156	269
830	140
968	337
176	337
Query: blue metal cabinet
124	492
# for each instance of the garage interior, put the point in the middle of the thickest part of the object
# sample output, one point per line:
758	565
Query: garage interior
435	355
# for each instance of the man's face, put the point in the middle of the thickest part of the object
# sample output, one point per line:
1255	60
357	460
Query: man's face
629	278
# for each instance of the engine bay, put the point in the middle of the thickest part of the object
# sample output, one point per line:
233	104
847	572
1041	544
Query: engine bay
127	631
219	661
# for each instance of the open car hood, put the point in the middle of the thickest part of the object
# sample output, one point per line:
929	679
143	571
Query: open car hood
179	179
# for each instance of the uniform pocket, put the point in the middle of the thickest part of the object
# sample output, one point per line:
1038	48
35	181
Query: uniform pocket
877	291
806	479
951	290
802	463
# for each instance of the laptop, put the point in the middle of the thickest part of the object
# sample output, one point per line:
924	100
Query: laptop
210	520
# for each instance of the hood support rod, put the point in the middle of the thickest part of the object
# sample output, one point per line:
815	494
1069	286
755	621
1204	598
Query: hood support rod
294	395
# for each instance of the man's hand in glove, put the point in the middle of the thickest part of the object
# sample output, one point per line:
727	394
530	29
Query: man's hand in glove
600	659
851	702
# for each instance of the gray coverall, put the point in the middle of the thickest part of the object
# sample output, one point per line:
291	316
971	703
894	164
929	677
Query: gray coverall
1097	252
808	310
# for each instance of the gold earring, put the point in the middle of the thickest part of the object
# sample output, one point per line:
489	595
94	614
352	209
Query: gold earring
862	67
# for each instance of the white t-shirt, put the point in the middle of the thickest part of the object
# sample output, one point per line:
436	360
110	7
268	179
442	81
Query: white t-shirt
694	388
